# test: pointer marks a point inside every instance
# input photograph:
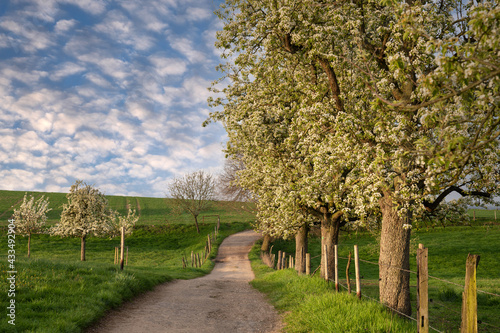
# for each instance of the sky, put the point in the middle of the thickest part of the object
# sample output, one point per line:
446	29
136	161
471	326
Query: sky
111	92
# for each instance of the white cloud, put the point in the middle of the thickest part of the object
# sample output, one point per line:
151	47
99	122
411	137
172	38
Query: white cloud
13	72
160	162
66	69
29	160
198	13
98	80
140	171
121	29
113	67
168	66
35	39
32	142
197	89
152	15
210	151
104	96
185	46
21	180
64	25
94	7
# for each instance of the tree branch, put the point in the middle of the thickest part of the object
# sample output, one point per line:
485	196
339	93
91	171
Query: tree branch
431	206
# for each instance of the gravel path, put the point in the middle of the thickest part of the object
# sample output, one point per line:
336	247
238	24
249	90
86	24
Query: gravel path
220	302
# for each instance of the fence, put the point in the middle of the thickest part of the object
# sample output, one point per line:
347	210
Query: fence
198	259
468	313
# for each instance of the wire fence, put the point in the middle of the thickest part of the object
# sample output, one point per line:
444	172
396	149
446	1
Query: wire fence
447	306
435	303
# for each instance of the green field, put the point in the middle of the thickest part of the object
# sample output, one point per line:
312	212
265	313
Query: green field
56	292
151	210
448	250
485	215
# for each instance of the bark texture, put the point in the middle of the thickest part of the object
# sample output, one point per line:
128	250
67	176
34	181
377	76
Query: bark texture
330	226
196	223
301	249
394	256
82	254
29	245
265	243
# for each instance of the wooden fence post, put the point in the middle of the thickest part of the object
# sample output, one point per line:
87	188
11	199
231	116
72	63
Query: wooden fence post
356	269
336	254
192	259
308	264
122	250
283	260
469	296
326	263
347	273
278	266
422	290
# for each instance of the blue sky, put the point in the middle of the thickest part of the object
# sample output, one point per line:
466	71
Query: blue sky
110	92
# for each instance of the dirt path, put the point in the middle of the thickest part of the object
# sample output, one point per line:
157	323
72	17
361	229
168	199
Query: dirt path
220	302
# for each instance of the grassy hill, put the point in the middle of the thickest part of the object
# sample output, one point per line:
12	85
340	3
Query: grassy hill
151	210
56	292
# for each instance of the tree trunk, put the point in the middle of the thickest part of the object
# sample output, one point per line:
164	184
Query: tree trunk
82	254
196	223
394	255
330	226
29	245
301	249
265	243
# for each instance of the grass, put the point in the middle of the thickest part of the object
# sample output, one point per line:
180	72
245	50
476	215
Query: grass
152	211
448	250
485	215
56	292
311	305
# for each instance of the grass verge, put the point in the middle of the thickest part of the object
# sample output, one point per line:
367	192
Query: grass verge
448	250
311	305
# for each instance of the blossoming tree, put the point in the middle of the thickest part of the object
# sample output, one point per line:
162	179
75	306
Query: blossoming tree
404	94
86	213
31	216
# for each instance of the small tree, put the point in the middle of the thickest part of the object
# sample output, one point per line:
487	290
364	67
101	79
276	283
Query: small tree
193	193
117	222
85	214
30	217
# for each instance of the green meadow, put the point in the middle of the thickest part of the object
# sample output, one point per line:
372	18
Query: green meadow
56	292
448	250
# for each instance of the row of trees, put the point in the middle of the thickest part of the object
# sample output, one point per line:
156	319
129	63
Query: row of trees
352	112
86	213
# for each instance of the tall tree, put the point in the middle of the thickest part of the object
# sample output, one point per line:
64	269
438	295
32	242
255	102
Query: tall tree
407	94
31	216
193	193
86	213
